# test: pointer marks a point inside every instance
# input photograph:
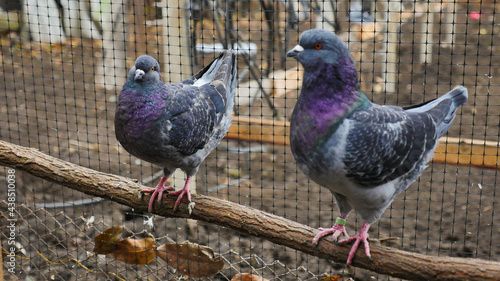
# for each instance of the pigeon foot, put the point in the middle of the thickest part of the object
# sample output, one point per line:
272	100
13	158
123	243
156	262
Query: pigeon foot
337	230
181	193
157	192
362	236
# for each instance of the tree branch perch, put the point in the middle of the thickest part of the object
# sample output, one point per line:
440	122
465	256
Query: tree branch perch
279	230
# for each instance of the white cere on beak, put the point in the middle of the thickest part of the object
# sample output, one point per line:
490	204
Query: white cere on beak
295	51
298	48
139	73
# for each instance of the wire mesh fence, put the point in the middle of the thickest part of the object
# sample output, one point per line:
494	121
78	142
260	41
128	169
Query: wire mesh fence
65	62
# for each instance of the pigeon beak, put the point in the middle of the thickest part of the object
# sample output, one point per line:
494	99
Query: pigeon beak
139	73
293	53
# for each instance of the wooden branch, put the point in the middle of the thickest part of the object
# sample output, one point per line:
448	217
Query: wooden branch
247	220
480	153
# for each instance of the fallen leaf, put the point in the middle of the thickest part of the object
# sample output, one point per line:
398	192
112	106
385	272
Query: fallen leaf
329	277
191	259
105	242
247	277
129	250
487	208
135	251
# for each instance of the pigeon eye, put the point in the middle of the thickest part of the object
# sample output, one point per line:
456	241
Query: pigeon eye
152	69
318	46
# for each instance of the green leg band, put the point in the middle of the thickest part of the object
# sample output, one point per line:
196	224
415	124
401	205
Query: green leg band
340	221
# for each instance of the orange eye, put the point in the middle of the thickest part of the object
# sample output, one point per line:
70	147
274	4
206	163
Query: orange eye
152	69
318	46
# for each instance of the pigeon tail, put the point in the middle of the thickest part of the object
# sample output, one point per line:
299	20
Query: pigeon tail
221	74
227	74
217	69
442	110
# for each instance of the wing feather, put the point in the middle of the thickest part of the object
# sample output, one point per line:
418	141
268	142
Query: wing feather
385	143
197	107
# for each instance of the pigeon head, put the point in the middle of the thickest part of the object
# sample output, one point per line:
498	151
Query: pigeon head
146	69
318	47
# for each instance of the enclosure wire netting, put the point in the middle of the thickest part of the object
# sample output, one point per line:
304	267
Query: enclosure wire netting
63	66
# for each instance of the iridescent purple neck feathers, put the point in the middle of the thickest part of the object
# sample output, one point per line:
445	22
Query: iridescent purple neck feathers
329	94
138	109
330	90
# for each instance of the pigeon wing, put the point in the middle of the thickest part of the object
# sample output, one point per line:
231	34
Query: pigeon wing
198	105
384	143
189	120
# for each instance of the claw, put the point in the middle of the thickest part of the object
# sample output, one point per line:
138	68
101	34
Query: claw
161	188
362	236
337	230
181	193
157	192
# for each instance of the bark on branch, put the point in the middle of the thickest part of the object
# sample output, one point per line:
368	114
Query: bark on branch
279	230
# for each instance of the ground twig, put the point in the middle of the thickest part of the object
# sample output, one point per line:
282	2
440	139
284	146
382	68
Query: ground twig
279	230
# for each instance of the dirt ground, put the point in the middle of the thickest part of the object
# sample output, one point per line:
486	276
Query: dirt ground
50	102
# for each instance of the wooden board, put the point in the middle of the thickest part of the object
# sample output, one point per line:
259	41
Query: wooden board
259	130
450	150
468	152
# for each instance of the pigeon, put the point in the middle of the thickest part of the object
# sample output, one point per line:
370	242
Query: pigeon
175	126
364	153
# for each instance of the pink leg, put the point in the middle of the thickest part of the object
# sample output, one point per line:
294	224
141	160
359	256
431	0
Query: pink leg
157	192
184	190
337	229
361	236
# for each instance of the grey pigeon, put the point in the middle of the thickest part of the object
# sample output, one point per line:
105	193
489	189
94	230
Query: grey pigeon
364	153
175	126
